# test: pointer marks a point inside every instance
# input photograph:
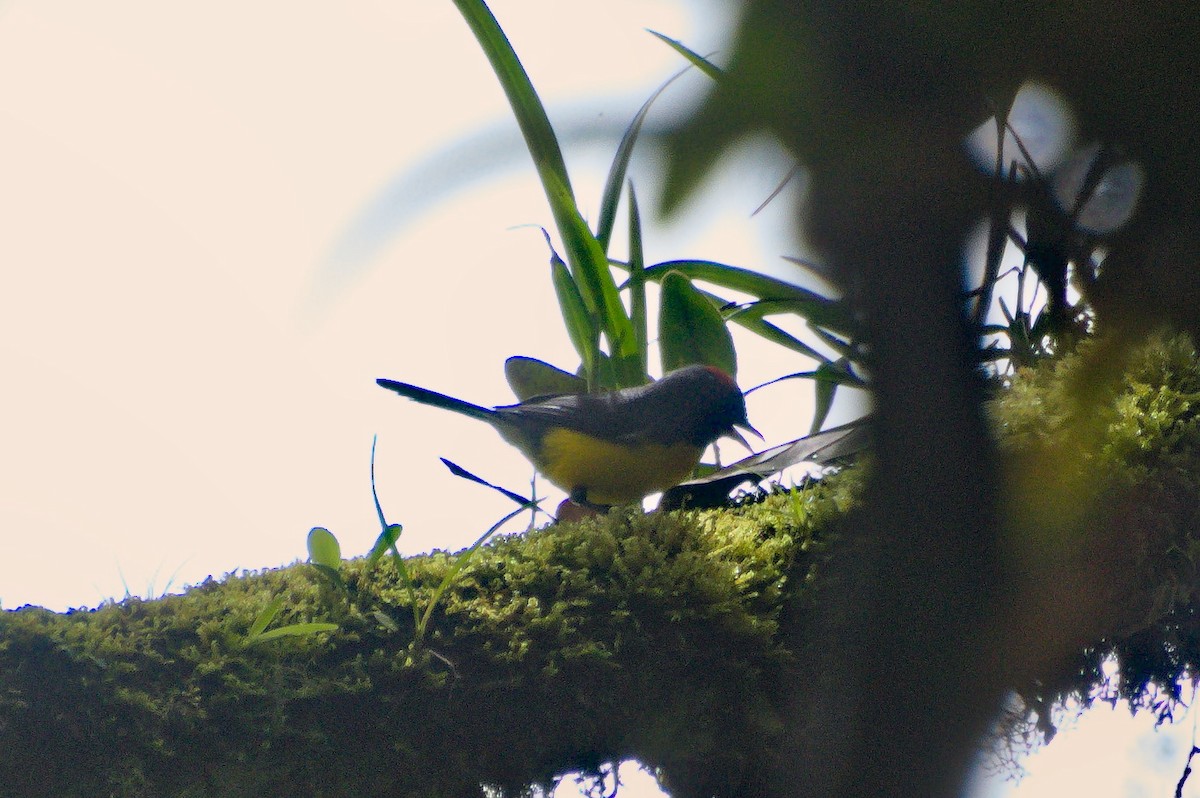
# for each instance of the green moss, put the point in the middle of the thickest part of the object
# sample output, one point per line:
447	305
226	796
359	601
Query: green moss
1106	517
652	636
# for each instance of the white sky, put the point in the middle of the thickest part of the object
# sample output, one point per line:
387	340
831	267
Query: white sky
189	386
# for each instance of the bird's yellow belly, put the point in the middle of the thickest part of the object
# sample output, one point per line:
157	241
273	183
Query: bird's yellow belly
613	473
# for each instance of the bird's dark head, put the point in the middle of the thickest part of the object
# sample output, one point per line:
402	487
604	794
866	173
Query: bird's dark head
710	404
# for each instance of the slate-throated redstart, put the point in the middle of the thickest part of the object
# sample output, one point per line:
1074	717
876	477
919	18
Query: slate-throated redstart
615	447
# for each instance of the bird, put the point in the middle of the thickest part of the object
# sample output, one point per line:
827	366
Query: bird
614	447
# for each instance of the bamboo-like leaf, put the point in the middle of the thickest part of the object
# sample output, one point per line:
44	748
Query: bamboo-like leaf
620	165
697	60
750	316
576	318
831	313
265	617
691	330
463	473
827	385
593	276
587	259
384	542
844	348
323	548
526	105
637	281
294	630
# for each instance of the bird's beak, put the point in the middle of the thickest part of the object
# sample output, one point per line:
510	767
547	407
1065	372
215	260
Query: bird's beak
735	433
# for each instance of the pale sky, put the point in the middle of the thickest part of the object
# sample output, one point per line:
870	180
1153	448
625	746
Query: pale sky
188	371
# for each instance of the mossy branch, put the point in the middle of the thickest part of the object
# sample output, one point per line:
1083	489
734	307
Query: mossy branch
678	639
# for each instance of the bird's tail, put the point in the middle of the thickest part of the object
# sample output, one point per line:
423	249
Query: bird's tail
428	397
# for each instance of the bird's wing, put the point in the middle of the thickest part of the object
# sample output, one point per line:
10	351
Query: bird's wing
593	414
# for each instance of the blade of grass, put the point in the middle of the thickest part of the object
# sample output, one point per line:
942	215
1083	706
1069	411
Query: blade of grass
589	264
527	107
750	316
580	323
765	329
460	562
637	281
697	60
387	540
795	170
590	268
616	172
294	630
826	390
265	617
463	473
843	347
830	313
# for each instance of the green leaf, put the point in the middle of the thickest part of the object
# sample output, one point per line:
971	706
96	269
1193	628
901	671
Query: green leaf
265	617
463	473
593	277
584	335
374	493
294	630
526	106
323	548
697	60
616	172
386	540
530	378
846	349
827	385
691	330
637	281
750	317
833	314
458	563
587	259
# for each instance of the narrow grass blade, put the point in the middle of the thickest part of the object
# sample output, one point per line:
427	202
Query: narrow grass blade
750	317
526	105
830	313
294	630
577	318
387	540
637	281
265	617
593	276
826	390
795	170
697	60
374	493
460	562
463	473
778	335
611	197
